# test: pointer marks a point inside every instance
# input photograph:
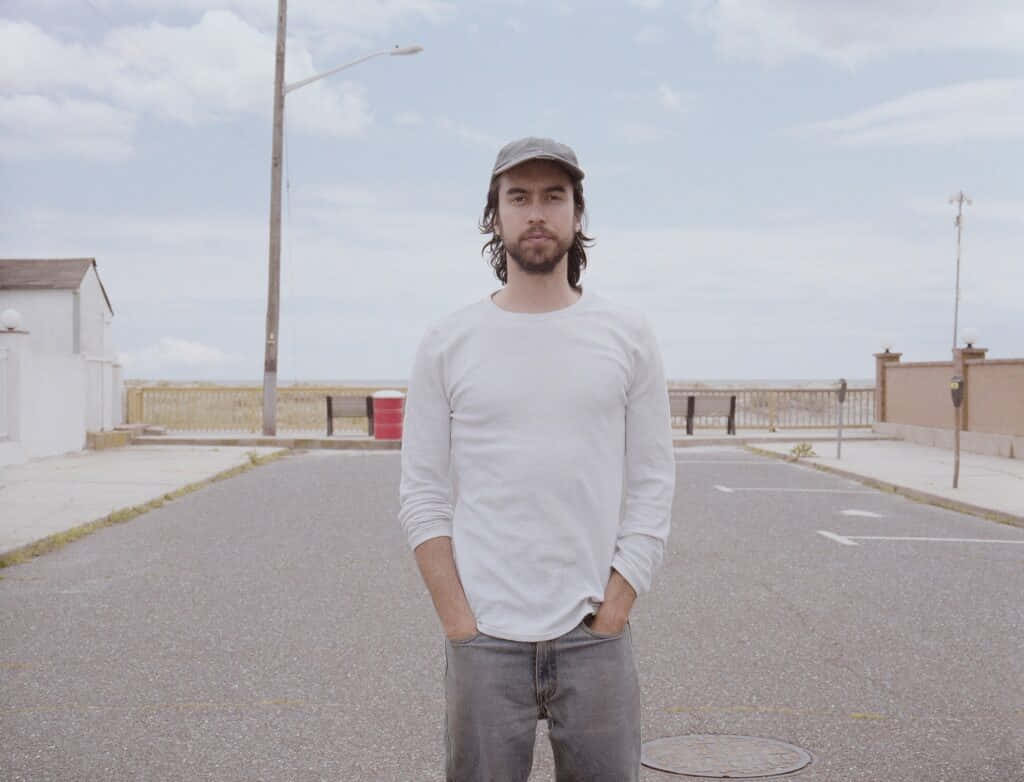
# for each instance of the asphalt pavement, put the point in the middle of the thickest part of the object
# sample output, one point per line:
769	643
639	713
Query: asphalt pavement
273	626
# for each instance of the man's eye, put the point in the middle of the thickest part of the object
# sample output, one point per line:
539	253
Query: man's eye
518	199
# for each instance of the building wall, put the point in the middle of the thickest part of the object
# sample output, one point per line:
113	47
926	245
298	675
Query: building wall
48	316
45	401
995	393
95	318
918	394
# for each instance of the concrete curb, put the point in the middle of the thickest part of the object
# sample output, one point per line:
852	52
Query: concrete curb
52	542
691	441
293	443
911	494
330	443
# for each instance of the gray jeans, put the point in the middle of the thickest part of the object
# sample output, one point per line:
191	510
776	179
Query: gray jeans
584	684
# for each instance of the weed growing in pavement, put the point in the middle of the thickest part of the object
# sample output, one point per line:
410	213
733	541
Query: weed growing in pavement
800	450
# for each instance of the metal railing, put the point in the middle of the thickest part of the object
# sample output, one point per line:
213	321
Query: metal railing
239	408
785	408
303	409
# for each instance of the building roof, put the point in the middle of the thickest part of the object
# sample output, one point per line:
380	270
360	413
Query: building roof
48	273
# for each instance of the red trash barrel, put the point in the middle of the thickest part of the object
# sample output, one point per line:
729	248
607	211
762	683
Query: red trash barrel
388	407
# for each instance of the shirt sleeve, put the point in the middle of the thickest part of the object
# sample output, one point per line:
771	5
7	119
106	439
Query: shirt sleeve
425	510
650	469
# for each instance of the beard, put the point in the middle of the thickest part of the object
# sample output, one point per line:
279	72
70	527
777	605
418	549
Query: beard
540	258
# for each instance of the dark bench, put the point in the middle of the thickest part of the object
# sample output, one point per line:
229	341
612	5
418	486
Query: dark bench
694	405
349	407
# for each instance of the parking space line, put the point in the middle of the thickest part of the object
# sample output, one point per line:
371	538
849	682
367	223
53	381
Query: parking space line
837	538
851	540
731	489
773	462
936	540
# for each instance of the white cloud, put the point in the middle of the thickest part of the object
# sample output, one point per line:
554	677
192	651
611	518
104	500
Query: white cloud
640	133
171	353
466	133
35	127
219	67
515	25
649	5
992	109
850	33
649	35
328	23
409	118
670	99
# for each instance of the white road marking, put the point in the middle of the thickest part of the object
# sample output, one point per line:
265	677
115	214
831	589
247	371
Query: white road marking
851	540
795	491
728	461
726	489
937	540
865	513
837	538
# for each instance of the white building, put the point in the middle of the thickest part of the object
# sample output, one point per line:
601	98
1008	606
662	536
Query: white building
59	376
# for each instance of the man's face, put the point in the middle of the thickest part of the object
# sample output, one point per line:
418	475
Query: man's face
537	219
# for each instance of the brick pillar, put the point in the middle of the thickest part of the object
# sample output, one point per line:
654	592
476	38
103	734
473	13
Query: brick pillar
882	360
960	358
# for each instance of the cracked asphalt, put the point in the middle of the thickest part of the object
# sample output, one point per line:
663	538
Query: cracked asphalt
274	627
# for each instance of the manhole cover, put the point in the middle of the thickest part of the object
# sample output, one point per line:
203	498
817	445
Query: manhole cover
723	757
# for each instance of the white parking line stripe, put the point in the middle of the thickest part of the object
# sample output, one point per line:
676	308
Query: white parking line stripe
797	491
730	461
837	538
726	489
865	513
937	540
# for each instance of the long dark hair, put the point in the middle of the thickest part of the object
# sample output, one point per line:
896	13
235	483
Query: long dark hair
495	247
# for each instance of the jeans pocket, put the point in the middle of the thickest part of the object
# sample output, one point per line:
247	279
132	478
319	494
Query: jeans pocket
585	627
465	641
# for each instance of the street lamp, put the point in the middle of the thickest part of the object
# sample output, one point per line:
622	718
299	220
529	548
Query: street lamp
274	270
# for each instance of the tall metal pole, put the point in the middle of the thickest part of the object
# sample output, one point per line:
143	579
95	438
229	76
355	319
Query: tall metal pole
959	200
274	272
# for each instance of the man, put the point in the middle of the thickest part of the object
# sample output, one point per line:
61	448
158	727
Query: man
525	412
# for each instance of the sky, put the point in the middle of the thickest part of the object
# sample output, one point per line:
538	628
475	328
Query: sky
767	180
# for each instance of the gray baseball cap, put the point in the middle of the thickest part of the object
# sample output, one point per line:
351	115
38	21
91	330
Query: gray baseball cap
532	148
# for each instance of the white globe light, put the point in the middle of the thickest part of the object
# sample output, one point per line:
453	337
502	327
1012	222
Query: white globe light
970	336
887	345
11	319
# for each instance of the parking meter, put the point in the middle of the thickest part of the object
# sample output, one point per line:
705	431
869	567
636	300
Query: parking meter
956	388
841	397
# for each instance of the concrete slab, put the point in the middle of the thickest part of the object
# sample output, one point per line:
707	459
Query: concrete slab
989	486
56	494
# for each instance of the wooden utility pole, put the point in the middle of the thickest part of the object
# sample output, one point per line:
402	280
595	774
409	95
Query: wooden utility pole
274	271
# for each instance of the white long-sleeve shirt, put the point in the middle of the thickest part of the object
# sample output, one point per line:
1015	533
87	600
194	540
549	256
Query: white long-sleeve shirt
520	432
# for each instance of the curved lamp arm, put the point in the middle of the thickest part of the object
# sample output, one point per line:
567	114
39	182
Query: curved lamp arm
399	50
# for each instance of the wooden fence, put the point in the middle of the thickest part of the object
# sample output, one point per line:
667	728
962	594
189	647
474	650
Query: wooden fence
302	408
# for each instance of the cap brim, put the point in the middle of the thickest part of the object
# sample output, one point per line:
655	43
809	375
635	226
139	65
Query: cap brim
576	171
